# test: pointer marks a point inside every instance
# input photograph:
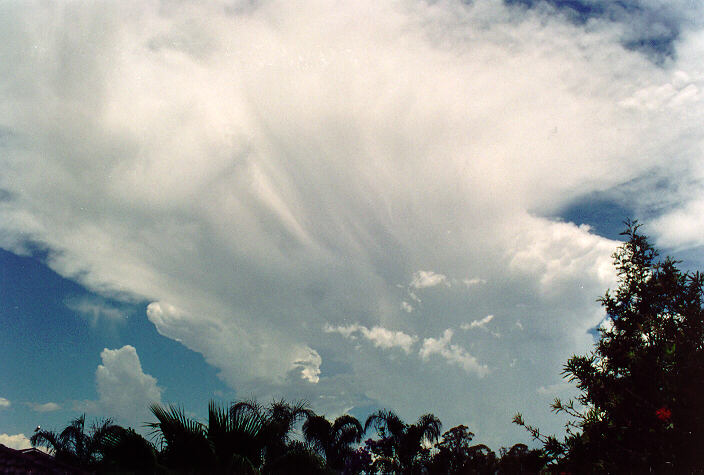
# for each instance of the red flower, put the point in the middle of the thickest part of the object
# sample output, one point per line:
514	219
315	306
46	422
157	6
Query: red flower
663	414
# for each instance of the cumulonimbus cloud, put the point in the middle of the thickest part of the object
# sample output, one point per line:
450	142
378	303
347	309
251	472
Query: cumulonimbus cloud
261	170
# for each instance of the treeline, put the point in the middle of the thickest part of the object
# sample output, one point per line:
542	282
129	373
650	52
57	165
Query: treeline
281	438
640	409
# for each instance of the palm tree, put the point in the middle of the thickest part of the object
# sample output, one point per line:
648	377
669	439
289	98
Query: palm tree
236	438
333	440
73	445
400	448
127	451
183	441
244	438
275	423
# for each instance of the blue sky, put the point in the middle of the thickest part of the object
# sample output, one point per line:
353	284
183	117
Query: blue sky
275	199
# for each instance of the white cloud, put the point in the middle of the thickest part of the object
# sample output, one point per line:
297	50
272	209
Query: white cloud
16	441
454	354
406	307
124	390
95	310
682	227
267	351
379	336
45	407
477	323
329	159
427	278
4	403
473	281
309	364
555	389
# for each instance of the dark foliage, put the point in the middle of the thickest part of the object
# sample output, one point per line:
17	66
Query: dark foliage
521	459
455	455
400	447
640	408
333	440
125	451
74	445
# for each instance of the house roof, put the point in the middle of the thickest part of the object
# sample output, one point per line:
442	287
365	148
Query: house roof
33	461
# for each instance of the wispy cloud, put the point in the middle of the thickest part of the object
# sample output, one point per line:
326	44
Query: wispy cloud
95	310
477	323
554	389
45	407
4	403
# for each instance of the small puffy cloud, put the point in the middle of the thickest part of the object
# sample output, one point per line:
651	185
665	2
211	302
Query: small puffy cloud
95	310
406	307
477	323
452	353
473	281
427	278
46	407
379	336
4	402
309	365
124	390
16	441
553	389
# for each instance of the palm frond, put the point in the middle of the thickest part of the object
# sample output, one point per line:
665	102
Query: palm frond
347	429
385	421
431	427
49	439
247	410
173	423
349	434
317	430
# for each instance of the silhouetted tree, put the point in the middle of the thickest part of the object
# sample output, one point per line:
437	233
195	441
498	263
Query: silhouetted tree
641	407
452	451
334	440
275	421
519	459
298	458
246	438
482	460
183	441
74	445
455	455
400	447
359	461
124	451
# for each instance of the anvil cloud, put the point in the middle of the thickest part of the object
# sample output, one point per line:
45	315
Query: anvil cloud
274	175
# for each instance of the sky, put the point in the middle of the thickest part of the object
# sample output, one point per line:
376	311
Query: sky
374	204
